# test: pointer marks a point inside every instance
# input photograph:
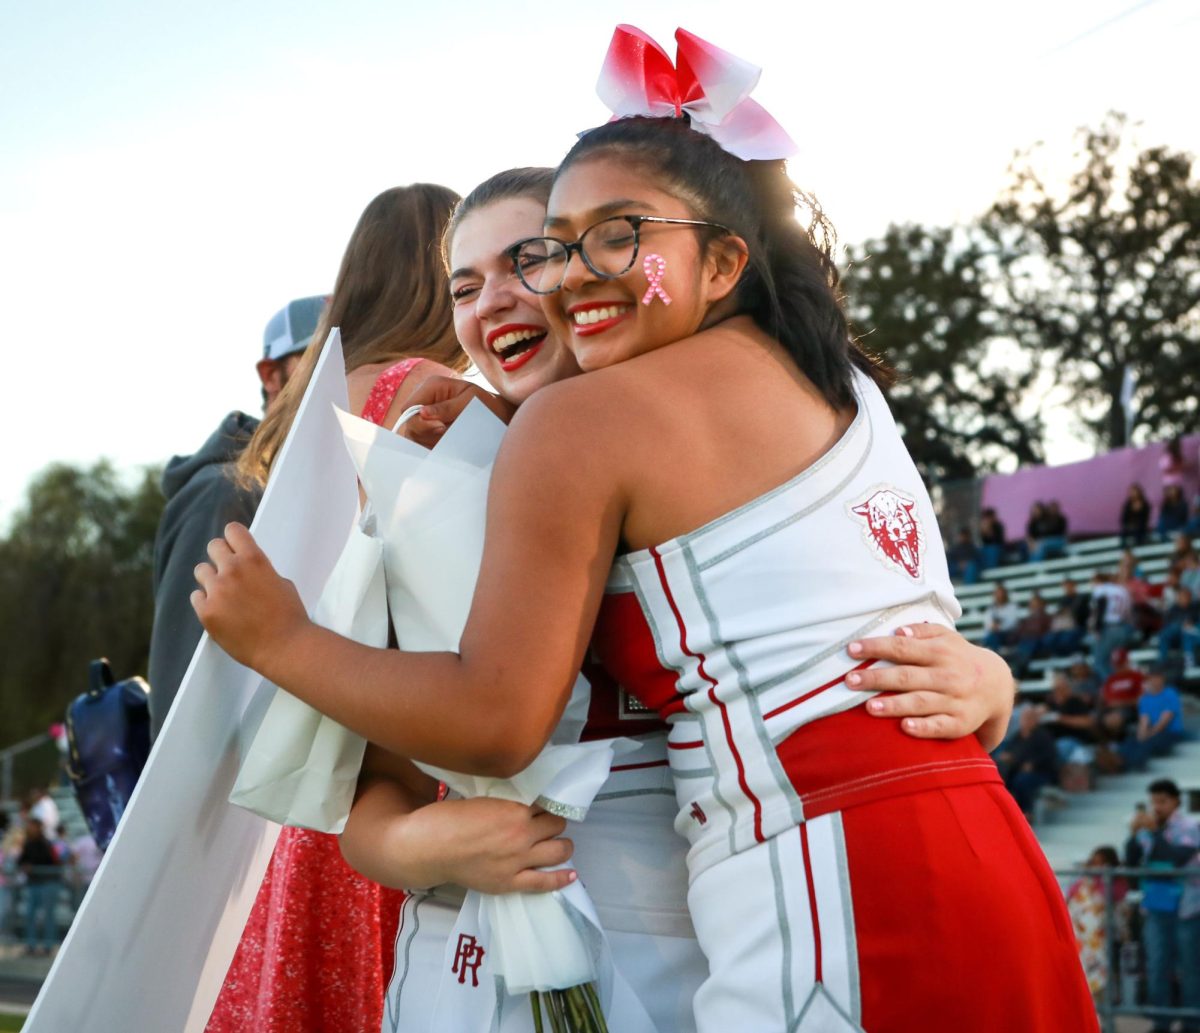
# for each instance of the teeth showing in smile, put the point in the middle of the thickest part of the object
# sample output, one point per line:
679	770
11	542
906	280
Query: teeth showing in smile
597	315
508	341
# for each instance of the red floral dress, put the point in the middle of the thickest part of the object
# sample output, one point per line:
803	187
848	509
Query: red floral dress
317	950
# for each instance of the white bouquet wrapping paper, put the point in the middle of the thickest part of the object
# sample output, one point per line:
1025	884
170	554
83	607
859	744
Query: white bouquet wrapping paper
153	938
430	509
302	767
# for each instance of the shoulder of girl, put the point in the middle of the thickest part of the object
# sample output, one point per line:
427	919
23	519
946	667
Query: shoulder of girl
583	410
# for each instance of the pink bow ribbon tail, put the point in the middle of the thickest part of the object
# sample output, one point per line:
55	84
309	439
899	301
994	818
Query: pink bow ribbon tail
655	267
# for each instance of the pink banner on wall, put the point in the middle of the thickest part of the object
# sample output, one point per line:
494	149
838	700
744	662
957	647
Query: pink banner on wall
1090	492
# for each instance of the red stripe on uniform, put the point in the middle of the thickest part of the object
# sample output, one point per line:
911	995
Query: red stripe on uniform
712	695
812	902
685	745
820	688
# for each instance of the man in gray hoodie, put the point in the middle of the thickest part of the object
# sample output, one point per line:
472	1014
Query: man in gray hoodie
203	495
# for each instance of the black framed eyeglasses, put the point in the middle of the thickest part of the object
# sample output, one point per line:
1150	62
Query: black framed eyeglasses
608	248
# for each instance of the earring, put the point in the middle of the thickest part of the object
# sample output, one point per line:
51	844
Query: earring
655	267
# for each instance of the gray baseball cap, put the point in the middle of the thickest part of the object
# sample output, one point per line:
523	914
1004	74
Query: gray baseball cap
291	329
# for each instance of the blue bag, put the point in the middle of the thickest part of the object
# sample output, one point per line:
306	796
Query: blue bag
108	734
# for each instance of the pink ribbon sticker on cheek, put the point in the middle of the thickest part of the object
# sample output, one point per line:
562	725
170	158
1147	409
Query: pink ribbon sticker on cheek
655	267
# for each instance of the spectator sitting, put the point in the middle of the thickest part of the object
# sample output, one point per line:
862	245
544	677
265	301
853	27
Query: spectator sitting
1172	512
1111	611
1071	718
1189	574
1046	531
1143	614
1029	759
1084	680
992	541
964	558
1168	591
1000	620
1165	836
1160	722
1135	517
1068	623
1031	635
1035	531
1119	696
85	859
1181	628
1183	547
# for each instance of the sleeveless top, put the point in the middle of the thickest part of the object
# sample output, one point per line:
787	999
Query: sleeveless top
383	391
736	634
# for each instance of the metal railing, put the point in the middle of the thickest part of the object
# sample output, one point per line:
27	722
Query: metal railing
68	883
6	761
1111	1005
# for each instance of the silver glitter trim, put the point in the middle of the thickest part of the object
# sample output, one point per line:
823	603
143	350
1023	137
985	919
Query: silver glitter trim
572	812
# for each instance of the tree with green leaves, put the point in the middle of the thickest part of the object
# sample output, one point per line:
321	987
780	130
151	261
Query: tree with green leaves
75	583
918	298
1102	278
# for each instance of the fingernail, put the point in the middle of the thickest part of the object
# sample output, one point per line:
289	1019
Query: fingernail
906	631
910	725
572	876
853	678
875	706
854	648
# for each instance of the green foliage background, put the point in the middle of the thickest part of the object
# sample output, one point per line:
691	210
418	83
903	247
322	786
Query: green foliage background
76	571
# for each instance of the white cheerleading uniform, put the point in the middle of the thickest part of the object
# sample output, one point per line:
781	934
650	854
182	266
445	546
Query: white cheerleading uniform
736	634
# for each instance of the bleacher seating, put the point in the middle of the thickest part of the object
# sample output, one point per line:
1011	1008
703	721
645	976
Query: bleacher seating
1083	559
1070	826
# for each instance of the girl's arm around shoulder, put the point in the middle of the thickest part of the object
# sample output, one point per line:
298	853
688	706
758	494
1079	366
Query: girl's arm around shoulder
555	508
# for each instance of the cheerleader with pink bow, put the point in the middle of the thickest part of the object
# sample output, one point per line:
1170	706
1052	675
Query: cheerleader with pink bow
733	450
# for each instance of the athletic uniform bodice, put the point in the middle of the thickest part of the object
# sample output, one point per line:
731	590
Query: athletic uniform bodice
736	634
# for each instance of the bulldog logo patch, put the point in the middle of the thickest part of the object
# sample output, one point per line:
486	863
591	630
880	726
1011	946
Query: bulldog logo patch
891	529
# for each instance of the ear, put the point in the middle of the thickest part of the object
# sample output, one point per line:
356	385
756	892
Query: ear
270	372
724	262
863	510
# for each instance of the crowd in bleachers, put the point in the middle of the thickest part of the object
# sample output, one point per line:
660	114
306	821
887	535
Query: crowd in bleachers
1103	637
43	874
1101	667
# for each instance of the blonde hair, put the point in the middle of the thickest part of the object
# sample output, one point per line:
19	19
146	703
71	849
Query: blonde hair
391	302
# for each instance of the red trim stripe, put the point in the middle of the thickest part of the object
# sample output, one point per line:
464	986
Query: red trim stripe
635	767
812	902
695	745
820	688
712	695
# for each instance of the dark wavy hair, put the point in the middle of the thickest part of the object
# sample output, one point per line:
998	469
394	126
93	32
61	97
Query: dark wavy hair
790	285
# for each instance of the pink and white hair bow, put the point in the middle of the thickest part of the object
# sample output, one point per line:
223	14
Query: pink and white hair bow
711	85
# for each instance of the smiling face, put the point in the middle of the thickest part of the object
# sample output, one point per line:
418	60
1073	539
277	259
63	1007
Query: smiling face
499	323
604	321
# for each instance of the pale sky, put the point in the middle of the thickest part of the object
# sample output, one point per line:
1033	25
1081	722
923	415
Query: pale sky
172	173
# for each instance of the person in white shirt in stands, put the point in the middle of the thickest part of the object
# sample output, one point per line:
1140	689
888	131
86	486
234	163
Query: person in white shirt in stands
43	807
1111	626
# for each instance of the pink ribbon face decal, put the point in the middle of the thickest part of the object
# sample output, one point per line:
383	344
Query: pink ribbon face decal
655	267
